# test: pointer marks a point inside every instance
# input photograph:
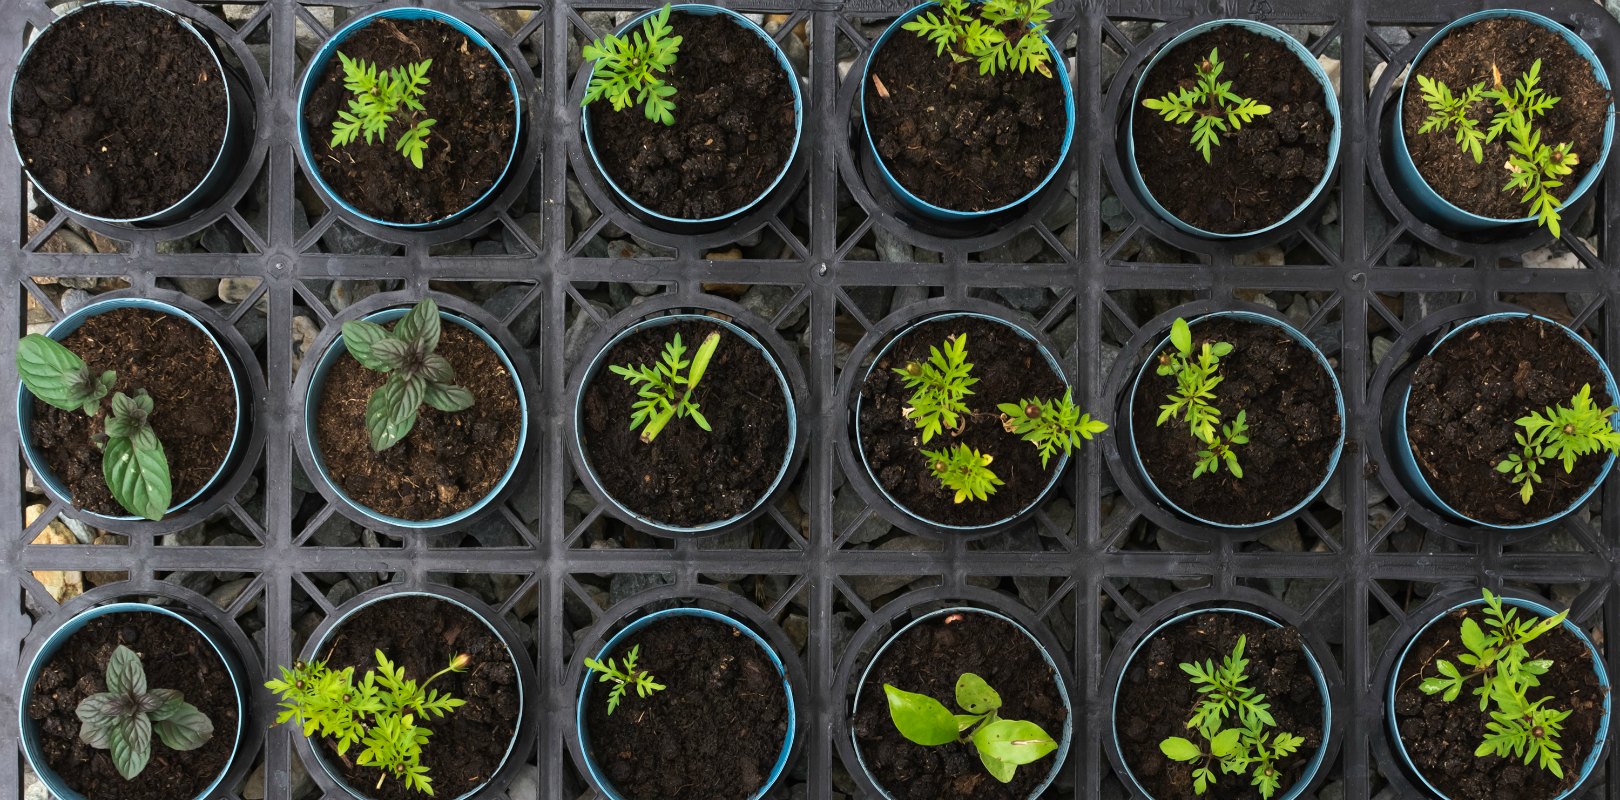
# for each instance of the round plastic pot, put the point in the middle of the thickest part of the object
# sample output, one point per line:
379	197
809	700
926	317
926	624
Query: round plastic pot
687	223
860	449
1329	96
30	729
233	146
583	731
1415	190
922	206
595	367
1406	461
371	598
71	323
1059	755
1592	759
1259	319
1317	758
317	389
325	57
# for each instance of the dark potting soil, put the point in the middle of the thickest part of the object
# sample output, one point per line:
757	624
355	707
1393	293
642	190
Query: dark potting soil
1010	369
1293	424
958	139
1156	698
689	476
1257	174
468	147
1465	399
928	659
119	111
448	461
420	635
193	406
1440	737
174	657
1464	58
713	733
733	128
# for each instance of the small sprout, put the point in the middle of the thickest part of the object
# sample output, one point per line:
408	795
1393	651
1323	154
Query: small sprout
378	96
1238	749
1212	101
1050	425
627	68
379	712
623	679
132	459
1221	450
1196	380
965	471
416	374
1003	745
123	719
984	38
938	387
1519	727
665	392
1567	432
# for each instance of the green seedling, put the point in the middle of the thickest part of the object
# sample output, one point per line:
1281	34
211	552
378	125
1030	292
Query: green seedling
627	68
1247	747
416	374
1220	451
983	37
1209	104
1566	433
123	719
1003	745
1197	374
378	96
1050	425
622	679
938	388
965	471
666	388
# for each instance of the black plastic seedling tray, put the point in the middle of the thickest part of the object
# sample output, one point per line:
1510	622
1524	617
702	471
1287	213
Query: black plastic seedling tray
822	265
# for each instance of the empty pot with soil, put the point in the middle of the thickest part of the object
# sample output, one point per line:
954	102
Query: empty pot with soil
1507	422
1235	420
122	112
129	408
952	138
961	704
711	131
1220	703
685	704
684	423
1236	162
1545	715
408	118
418	424
1455	166
131	701
405	694
965	421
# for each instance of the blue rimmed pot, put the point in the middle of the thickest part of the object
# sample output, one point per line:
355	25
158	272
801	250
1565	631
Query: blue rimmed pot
1058	466
33	737
596	369
940	213
1317	758
25	406
317	389
689	224
1415	190
1258	319
588	690
321	643
1406	461
227	162
326	58
1588	764
1053	763
1329	97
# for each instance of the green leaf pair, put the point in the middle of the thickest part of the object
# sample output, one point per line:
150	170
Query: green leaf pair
1003	745
416	374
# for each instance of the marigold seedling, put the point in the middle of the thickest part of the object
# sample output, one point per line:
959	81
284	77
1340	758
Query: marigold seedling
1519	727
1003	745
666	388
627	68
1209	104
623	679
1221	450
377	98
939	386
1196	379
123	719
1249	747
1050	425
132	459
416	374
983	38
381	712
965	471
1566	433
